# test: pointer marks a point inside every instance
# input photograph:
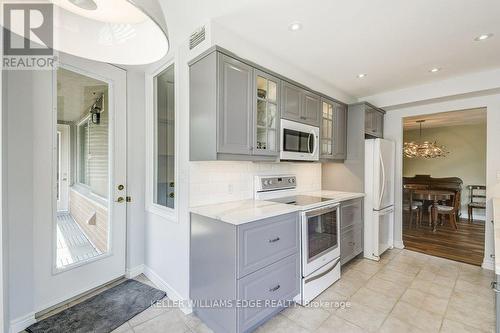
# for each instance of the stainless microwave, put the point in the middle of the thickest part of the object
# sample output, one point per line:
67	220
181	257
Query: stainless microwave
299	142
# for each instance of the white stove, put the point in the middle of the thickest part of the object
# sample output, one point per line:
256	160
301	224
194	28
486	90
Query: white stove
320	232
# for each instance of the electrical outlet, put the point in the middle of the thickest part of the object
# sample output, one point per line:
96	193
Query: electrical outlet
230	188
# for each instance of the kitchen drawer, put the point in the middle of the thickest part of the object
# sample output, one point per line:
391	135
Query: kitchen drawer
351	242
351	213
276	283
266	241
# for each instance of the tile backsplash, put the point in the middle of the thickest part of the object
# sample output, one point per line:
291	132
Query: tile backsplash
221	181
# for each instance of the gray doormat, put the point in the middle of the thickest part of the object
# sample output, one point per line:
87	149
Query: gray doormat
102	313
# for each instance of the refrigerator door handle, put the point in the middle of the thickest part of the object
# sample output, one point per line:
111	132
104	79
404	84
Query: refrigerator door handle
382	191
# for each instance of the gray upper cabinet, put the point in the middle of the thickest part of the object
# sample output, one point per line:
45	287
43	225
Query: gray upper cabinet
311	109
236	107
300	104
292	102
333	133
234	110
374	121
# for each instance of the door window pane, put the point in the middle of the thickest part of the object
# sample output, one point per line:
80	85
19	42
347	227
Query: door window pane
165	139
83	183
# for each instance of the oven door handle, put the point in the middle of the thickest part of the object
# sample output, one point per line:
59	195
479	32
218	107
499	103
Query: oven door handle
312	278
321	211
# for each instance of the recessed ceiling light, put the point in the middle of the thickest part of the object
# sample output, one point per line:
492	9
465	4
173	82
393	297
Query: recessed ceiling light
435	70
295	26
483	37
360	76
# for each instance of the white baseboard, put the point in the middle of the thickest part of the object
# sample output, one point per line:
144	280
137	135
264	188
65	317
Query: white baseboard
171	292
131	273
21	323
488	263
399	245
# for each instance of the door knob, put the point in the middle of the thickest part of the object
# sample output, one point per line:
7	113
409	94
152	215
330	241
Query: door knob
120	199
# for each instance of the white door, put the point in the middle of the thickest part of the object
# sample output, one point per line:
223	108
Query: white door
90	98
384	151
63	146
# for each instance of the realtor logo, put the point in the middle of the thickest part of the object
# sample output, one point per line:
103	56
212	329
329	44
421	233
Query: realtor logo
28	36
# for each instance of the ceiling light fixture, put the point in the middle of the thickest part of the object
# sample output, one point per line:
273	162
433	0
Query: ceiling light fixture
483	37
360	76
295	26
122	32
84	4
424	149
435	70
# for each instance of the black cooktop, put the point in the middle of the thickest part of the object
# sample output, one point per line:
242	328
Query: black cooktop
300	200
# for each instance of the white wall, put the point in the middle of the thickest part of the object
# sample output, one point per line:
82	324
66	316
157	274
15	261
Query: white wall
466	159
19	188
135	171
394	131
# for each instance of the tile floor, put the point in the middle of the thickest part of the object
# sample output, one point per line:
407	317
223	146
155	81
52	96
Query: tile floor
404	292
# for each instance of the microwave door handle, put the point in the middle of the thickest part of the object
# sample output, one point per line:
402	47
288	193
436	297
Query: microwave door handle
309	138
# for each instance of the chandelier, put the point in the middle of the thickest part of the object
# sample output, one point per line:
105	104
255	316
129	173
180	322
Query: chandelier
425	149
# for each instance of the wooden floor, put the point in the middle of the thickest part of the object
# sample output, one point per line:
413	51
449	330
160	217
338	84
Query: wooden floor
465	244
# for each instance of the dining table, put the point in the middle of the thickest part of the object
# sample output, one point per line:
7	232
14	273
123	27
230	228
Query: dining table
434	195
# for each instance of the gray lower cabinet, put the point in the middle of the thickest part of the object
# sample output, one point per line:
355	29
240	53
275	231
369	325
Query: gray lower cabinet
351	224
300	105
241	275
333	130
234	110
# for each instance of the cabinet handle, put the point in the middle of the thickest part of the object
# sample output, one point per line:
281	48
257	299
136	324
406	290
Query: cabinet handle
274	240
492	256
273	289
494	286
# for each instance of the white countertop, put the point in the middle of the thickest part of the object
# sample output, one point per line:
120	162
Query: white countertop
244	211
496	223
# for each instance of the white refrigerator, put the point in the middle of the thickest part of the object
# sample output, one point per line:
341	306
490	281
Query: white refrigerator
379	197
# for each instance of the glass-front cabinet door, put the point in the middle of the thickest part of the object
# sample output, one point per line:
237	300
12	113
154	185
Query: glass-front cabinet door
266	114
327	130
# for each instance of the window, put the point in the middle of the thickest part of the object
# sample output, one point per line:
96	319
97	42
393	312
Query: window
93	153
83	132
164	181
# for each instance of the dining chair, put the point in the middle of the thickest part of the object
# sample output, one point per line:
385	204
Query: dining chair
477	199
451	211
412	206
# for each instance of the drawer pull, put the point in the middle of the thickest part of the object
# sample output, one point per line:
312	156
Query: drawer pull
273	289
274	240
